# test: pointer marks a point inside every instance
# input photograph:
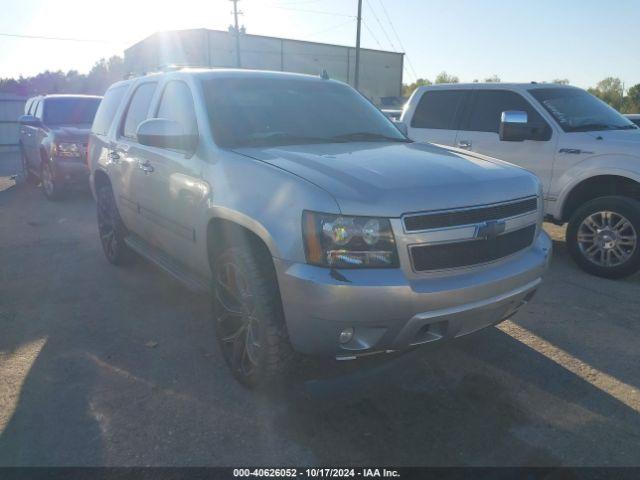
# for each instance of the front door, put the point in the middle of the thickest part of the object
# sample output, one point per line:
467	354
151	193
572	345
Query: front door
479	133
175	192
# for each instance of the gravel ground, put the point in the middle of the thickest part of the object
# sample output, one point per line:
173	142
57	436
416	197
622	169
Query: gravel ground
108	366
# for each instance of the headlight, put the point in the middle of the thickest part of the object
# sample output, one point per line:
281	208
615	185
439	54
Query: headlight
348	242
68	149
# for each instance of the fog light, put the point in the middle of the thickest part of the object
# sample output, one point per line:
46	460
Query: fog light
346	335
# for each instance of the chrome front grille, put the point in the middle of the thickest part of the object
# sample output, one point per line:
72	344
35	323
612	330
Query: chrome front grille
472	252
442	240
451	218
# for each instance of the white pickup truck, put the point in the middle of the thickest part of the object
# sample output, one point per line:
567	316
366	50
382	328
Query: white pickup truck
586	154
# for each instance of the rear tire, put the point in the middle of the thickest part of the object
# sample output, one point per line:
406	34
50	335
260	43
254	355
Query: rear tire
52	187
603	236
111	229
248	316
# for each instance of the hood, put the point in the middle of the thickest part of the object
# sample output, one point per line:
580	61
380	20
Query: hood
71	133
626	137
390	179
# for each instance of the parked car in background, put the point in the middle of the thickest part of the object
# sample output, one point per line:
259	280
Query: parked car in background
320	227
634	117
586	154
53	140
392	114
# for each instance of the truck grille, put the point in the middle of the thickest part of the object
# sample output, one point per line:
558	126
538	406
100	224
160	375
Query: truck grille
471	252
452	218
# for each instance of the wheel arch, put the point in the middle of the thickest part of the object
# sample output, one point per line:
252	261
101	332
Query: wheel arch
225	228
603	184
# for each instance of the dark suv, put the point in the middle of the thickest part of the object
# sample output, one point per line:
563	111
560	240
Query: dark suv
53	140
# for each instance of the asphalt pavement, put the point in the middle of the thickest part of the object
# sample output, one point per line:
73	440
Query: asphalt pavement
119	366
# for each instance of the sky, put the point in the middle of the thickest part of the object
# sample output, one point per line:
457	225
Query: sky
520	41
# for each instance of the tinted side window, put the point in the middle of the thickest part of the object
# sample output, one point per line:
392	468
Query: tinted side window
177	104
27	106
138	108
438	109
489	105
107	110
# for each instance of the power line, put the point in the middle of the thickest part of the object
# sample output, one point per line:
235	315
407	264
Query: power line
372	35
393	47
335	27
393	29
65	39
311	11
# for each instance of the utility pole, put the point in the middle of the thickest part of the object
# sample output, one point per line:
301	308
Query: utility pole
357	75
237	31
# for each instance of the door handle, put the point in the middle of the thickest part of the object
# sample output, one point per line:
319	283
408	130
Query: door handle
145	166
466	144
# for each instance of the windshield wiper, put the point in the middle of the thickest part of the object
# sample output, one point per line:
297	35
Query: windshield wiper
284	138
369	137
593	127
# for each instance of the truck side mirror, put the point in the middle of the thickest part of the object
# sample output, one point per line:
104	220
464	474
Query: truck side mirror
163	133
29	120
514	126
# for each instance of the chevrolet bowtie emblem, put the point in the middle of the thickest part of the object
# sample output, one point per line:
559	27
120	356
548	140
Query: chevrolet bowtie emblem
490	229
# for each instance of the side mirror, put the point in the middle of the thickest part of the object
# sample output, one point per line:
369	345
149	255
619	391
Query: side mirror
402	127
29	120
514	126
163	133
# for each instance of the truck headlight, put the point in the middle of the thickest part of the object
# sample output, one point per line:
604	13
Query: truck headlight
348	242
68	150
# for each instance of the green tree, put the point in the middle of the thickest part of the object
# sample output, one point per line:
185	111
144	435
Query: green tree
610	90
493	79
407	90
632	100
444	77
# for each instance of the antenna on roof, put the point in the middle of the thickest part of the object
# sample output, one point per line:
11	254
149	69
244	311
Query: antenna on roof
324	75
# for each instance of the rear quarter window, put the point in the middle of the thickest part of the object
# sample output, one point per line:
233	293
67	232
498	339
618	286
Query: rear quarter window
107	110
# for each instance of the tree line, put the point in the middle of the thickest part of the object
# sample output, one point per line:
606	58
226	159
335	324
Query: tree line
102	74
107	71
611	90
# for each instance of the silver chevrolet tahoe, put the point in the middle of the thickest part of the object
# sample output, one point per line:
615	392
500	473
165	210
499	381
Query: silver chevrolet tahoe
314	223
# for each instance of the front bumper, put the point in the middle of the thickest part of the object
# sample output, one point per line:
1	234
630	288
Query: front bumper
390	312
70	170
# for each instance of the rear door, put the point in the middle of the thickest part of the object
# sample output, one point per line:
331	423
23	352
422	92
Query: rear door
436	116
127	157
479	132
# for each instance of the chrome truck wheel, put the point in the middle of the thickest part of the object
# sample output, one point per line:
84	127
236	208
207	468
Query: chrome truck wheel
602	236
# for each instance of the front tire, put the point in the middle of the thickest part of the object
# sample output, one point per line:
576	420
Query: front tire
248	316
27	174
603	236
111	229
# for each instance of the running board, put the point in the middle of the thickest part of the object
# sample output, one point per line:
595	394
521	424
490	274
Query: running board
166	263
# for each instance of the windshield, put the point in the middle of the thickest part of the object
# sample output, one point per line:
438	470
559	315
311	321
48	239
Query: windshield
579	111
70	111
250	112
